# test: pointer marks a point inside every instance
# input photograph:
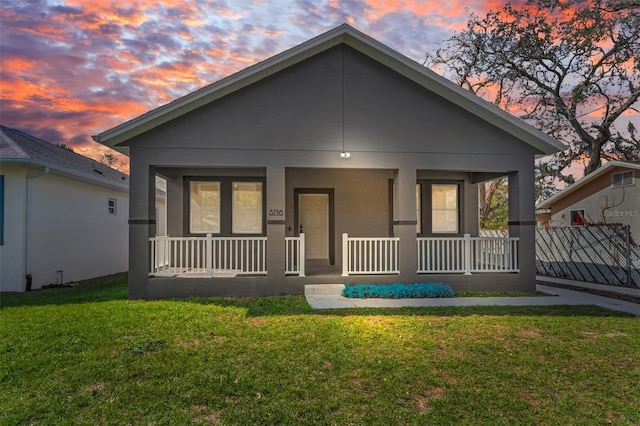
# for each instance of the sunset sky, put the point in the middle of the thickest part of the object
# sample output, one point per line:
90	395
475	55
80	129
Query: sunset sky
70	69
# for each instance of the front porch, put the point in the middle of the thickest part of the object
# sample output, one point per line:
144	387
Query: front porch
220	231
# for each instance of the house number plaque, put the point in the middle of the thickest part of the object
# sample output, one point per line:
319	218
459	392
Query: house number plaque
276	212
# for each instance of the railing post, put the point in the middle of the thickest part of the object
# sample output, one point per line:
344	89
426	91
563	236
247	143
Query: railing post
345	255
301	257
208	250
467	254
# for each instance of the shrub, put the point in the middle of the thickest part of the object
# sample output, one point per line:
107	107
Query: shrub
398	291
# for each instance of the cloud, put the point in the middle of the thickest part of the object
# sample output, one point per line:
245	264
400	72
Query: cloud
76	68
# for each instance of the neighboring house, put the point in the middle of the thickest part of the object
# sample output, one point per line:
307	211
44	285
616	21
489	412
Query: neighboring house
611	195
63	217
337	161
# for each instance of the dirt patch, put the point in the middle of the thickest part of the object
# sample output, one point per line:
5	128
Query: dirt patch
256	322
93	388
423	402
212	418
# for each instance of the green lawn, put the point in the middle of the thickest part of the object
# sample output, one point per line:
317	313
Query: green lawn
88	356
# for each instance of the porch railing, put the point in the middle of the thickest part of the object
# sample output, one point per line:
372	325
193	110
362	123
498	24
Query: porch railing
370	255
208	255
294	255
467	255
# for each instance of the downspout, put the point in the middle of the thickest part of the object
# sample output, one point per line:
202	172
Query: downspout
27	242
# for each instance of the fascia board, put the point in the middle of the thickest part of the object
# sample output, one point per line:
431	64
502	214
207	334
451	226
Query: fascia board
68	173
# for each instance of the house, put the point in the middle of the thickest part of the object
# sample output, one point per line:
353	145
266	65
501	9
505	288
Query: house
63	217
337	161
609	195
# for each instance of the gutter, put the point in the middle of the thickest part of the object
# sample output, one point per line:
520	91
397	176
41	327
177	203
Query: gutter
27	242
84	177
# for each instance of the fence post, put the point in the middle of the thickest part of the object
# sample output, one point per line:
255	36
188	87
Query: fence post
467	254
208	254
301	257
627	231
345	255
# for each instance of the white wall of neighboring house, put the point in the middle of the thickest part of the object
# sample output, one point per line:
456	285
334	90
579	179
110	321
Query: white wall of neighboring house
74	232
12	250
71	228
623	207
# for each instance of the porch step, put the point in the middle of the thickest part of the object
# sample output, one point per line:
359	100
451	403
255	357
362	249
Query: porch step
313	289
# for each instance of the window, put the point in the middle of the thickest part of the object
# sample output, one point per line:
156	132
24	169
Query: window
247	208
577	218
112	206
204	207
225	206
622	179
444	209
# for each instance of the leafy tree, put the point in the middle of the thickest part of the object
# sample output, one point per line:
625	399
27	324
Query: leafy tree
494	208
111	160
64	146
569	67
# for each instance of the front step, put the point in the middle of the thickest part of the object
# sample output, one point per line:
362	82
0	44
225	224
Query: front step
315	289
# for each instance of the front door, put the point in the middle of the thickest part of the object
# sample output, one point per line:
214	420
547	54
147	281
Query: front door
313	220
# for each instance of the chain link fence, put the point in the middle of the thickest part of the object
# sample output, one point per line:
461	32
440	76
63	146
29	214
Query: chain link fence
603	254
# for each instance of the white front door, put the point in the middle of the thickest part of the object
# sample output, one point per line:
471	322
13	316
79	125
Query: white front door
313	219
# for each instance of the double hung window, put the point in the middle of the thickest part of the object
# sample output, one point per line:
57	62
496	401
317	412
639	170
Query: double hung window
226	206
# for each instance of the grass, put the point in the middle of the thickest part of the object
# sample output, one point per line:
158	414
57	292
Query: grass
87	356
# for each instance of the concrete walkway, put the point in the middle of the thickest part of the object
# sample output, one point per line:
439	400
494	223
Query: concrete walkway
328	296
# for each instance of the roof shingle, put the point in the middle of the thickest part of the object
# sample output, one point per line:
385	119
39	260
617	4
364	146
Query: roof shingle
17	145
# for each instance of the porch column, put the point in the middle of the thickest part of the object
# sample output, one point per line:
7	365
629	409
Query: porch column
522	223
404	222
142	224
276	196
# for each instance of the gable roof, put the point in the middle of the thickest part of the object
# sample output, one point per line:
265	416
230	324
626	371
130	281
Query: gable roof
546	204
18	147
349	36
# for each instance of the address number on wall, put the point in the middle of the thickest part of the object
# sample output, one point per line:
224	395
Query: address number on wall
276	212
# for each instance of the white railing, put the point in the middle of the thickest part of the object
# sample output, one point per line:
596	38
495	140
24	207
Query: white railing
370	255
441	255
294	255
467	254
208	255
494	255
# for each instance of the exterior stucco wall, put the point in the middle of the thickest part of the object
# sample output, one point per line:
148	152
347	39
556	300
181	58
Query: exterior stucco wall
361	200
12	251
72	230
301	109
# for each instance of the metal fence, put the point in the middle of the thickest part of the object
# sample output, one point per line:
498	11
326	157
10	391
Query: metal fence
601	253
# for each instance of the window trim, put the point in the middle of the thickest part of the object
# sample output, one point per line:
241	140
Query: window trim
226	204
427	207
115	206
571	212
622	180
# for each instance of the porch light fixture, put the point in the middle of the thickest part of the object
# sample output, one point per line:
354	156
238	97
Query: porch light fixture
344	154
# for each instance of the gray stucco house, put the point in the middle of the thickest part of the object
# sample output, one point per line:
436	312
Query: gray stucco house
337	161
